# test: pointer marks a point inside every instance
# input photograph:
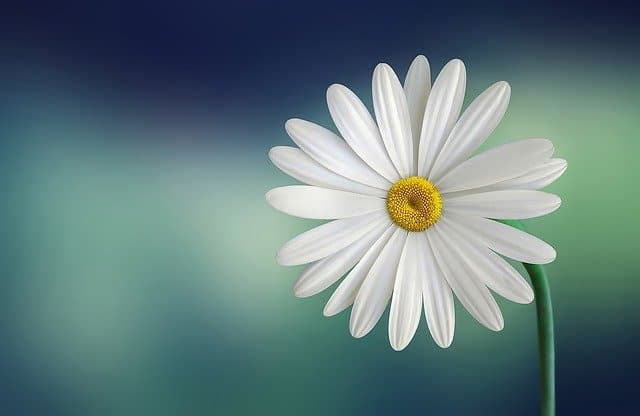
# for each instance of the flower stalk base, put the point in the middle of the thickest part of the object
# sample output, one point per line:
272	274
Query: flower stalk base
546	344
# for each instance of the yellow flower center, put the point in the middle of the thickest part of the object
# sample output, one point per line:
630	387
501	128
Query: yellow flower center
414	203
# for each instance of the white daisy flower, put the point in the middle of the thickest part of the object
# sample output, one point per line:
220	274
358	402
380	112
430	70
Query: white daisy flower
414	211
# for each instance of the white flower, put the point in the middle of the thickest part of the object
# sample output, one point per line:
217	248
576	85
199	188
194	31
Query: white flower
414	211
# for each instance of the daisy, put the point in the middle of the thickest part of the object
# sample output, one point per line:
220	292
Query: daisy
414	210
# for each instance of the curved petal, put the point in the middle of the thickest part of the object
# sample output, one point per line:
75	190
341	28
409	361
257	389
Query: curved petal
357	127
322	203
536	178
441	113
437	296
392	114
506	240
346	292
512	204
498	164
417	85
297	164
332	152
475	125
492	269
463	280
374	294
323	273
406	303
328	238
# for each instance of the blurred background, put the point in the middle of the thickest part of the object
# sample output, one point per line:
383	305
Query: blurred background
139	273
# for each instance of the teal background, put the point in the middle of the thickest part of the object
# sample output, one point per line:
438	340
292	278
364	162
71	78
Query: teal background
139	251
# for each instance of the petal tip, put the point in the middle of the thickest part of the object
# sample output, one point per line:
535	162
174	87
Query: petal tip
397	345
298	289
529	298
291	125
328	310
283	259
396	339
562	165
443	343
382	66
335	89
457	65
501	90
356	328
497	326
442	340
268	196
550	257
503	86
273	153
420	59
357	332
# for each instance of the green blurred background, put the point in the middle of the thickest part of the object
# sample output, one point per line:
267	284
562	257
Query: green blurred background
139	251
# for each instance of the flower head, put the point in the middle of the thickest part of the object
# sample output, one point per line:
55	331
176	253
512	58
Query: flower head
414	209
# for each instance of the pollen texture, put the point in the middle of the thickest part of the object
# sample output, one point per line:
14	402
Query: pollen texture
414	203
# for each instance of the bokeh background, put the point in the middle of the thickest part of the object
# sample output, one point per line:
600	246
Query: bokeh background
139	274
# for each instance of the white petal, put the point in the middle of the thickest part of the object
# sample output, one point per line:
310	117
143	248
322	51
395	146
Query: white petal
359	130
346	292
506	240
437	296
536	178
417	85
498	164
463	280
297	164
441	113
507	281
377	287
332	152
328	238
322	203
475	125
406	304
323	273
512	204
492	269
392	114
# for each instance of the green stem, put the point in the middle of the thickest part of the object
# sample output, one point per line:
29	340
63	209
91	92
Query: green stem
546	344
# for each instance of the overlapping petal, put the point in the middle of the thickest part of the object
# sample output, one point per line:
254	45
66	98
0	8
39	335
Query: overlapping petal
359	130
406	303
513	204
377	287
462	277
475	125
417	85
437	296
297	164
501	163
490	268
506	240
394	122
329	238
441	113
537	178
322	203
321	274
347	290
333	153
